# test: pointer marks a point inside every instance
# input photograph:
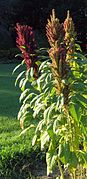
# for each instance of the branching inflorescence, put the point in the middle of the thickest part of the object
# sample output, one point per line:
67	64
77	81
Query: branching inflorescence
61	38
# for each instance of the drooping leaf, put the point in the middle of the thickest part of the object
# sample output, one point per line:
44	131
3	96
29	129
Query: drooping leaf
84	120
24	94
38	109
40	125
28	128
21	82
82	100
34	140
19	76
51	158
73	160
31	72
24	84
29	97
17	67
75	112
44	139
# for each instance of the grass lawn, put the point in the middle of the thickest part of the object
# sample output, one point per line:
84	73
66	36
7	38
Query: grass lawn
14	149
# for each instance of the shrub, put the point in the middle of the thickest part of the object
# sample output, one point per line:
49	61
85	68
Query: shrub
56	98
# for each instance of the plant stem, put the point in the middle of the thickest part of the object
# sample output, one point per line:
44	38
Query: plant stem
61	170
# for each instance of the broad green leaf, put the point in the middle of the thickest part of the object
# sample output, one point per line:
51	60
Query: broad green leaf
38	85
40	125
33	100
19	76
38	109
50	111
75	112
64	152
46	114
82	100
26	107
24	84
48	161
29	97
83	158
25	115
39	99
31	72
53	91
66	156
50	132
34	140
24	94
80	56
21	82
44	139
51	158
78	47
73	160
28	74
17	67
28	128
43	64
84	120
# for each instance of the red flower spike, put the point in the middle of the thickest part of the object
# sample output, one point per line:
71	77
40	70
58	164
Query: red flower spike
27	44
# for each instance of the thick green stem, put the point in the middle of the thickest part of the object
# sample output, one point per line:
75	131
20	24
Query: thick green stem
60	168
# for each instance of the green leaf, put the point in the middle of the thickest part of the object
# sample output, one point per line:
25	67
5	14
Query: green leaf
33	100
46	114
39	85
43	64
52	107
24	94
34	140
18	77
28	98
78	47
17	67
66	156
73	161
40	125
75	112
31	72
64	152
21	82
48	161
51	158
44	139
84	120
23	46
28	128
39	99
19	55
24	111
38	109
82	100
24	84
83	158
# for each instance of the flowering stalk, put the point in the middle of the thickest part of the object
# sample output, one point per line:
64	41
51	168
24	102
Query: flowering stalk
58	51
69	36
61	38
27	44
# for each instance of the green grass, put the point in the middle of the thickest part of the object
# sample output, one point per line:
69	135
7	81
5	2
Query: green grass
15	150
9	104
